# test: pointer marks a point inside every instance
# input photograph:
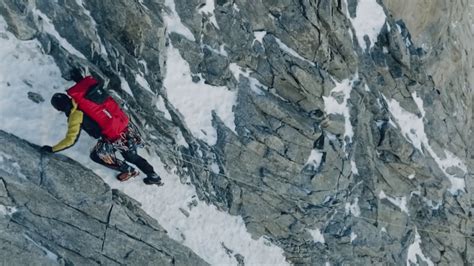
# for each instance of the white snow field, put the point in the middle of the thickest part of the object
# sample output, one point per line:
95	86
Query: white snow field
197	101
24	67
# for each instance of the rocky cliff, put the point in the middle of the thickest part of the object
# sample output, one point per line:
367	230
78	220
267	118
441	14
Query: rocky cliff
55	211
349	140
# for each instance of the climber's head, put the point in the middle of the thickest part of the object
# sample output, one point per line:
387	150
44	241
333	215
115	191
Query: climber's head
61	102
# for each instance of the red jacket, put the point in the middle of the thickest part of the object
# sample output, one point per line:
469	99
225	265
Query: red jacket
108	114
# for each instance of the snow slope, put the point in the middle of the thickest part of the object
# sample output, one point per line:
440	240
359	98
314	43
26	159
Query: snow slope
25	68
413	129
197	101
369	20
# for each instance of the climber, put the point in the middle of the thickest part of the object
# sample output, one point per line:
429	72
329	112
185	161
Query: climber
101	117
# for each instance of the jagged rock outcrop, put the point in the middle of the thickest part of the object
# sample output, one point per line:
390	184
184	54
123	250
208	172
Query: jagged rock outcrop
55	211
268	181
379	182
442	30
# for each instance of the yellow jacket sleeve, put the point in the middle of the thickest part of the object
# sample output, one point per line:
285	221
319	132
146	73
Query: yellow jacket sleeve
73	130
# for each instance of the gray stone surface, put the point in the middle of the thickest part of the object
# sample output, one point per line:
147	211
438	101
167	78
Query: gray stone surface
55	211
424	47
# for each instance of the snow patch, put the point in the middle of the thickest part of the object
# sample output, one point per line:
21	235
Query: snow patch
144	64
215	168
49	28
255	85
142	4
399	28
290	51
208	8
400	202
160	104
50	255
315	158
353	236
410	124
143	82
180	140
390	121
414	252
197	101
369	20
7	210
341	92
173	22
221	50
331	136
419	103
354	169
408	42
103	51
434	206
353	208
317	235
258	35
125	86
380	123
235	7
449	160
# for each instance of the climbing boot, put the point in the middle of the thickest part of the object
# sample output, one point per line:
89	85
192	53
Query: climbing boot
153	179
127	175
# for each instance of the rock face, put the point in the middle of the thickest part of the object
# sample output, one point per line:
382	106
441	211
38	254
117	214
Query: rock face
55	211
442	30
346	152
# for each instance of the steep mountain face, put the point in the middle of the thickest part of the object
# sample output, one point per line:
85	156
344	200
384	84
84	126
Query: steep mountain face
55	211
338	130
443	31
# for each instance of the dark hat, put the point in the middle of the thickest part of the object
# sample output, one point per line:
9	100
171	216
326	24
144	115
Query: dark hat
61	102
